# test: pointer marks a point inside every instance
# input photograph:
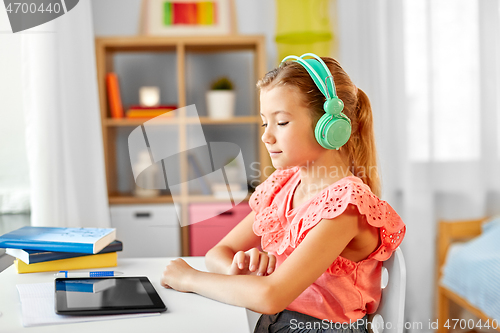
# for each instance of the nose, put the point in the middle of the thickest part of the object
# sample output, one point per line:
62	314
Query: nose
268	136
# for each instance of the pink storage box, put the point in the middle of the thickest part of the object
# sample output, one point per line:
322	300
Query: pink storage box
205	234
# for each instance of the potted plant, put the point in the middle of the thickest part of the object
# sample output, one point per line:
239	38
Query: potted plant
221	99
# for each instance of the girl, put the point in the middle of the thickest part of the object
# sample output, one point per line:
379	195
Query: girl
322	228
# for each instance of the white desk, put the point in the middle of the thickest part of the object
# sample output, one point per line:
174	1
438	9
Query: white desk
186	312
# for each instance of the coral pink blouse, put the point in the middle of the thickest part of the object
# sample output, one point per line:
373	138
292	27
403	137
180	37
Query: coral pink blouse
347	290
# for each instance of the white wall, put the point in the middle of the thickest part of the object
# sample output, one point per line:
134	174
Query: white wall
14	175
121	18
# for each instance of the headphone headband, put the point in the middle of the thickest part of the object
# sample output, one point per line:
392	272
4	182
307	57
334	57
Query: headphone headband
333	129
315	67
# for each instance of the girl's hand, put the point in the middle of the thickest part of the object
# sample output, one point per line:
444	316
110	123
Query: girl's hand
177	275
252	262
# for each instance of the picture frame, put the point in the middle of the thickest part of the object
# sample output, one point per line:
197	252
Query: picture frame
187	17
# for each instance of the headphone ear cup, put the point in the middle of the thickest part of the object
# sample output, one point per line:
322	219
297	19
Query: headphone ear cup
333	106
332	133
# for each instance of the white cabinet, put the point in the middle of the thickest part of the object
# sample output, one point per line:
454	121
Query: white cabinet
151	230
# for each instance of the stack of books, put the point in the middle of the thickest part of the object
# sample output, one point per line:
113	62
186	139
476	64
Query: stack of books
137	111
44	249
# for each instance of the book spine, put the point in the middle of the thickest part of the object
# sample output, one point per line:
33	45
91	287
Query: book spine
160	111
114	98
158	107
167	13
50	256
48	246
85	262
147	114
34	258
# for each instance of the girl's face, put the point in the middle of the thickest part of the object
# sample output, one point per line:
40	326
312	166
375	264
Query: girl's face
288	135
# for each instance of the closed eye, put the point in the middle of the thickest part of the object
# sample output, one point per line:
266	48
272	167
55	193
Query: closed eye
279	124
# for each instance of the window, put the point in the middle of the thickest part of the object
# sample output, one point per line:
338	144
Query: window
442	72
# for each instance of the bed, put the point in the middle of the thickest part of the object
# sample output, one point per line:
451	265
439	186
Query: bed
469	272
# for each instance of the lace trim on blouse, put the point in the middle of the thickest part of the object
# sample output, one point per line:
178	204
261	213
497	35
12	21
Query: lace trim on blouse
332	202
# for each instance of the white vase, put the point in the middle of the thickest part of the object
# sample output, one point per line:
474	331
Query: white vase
146	186
220	104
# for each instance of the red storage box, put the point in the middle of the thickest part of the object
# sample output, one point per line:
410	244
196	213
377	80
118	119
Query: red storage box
205	234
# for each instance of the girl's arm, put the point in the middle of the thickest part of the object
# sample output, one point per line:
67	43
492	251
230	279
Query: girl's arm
240	238
271	294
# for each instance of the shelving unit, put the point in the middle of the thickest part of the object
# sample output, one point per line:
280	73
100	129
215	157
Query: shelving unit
184	49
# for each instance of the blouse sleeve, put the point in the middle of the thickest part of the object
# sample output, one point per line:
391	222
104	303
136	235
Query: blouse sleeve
378	213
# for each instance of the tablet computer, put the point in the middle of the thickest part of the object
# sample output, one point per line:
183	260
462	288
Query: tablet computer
110	295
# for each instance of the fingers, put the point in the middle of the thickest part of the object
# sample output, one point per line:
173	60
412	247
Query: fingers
252	262
163	284
174	269
264	260
267	264
239	259
272	264
254	259
163	279
238	265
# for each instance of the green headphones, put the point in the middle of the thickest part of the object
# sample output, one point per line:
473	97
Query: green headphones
334	127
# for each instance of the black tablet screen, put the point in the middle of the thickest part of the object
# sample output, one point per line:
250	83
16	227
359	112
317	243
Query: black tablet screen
106	295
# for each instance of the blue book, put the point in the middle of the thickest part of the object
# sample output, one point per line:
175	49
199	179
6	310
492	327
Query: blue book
79	240
34	256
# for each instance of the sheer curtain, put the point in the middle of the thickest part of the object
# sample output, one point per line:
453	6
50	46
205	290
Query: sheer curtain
430	69
64	140
14	179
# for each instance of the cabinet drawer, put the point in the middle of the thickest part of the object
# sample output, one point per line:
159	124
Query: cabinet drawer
147	230
205	234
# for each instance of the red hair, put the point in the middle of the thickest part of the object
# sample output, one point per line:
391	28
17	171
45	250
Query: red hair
360	151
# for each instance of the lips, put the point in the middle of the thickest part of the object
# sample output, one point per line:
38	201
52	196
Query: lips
274	153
